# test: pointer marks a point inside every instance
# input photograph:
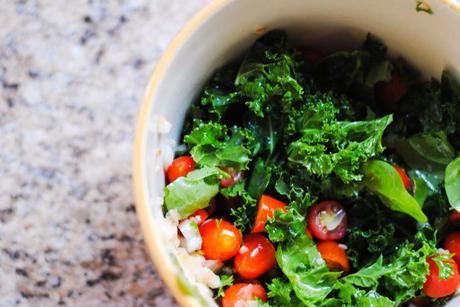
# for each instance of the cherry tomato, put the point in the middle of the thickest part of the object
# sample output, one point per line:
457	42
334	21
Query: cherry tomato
267	207
328	220
419	301
221	240
308	233
389	93
402	173
335	257
313	55
454	218
240	294
235	176
180	167
452	244
436	287
200	216
255	257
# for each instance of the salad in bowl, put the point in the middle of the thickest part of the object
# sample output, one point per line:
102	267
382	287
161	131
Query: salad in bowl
308	178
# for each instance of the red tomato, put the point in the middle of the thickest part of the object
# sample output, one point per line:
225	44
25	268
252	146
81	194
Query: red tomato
454	218
402	173
221	240
238	295
335	257
234	177
452	244
267	207
308	233
313	55
389	93
180	167
328	220
436	287
200	216
255	257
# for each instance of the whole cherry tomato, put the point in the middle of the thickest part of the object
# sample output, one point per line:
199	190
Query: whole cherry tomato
266	209
402	173
454	218
389	93
436	287
180	167
235	176
221	239
238	295
200	216
312	55
335	257
327	220
452	244
255	257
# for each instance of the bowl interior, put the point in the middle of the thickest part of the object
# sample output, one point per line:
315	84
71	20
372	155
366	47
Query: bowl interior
223	31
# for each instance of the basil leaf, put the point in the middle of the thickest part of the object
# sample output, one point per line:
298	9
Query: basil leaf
306	270
381	178
452	183
429	151
193	192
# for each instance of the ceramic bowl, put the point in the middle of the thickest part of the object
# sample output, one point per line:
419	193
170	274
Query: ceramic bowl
222	31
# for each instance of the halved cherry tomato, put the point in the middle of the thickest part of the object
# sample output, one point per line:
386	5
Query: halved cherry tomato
235	176
452	244
308	233
436	287
267	207
402	173
200	216
389	93
328	220
180	167
221	240
313	55
240	294
454	218
335	257
255	257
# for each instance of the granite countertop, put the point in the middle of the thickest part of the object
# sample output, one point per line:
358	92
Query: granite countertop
71	77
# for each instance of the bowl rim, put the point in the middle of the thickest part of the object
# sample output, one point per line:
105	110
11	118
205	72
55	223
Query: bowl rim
139	165
160	257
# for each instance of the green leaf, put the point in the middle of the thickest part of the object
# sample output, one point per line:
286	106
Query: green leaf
225	281
246	205
260	178
285	225
452	183
214	145
269	73
381	178
374	299
338	148
425	184
430	151
193	192
445	265
307	272
379	72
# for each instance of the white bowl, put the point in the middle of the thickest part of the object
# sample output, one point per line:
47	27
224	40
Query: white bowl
224	30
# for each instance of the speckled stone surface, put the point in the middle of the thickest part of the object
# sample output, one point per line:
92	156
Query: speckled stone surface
71	77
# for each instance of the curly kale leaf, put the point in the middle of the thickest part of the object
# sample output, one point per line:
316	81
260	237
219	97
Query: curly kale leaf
268	75
328	146
213	144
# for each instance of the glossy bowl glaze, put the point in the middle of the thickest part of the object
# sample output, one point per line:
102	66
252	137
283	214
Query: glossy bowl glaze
224	30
